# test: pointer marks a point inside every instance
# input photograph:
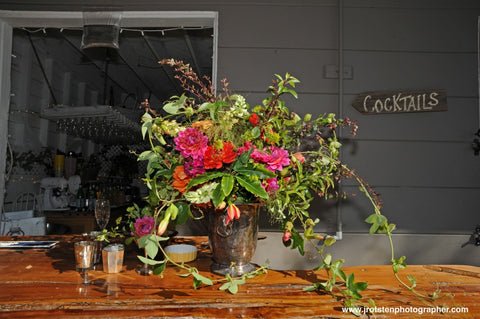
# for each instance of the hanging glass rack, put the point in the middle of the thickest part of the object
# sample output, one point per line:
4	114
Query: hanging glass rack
101	124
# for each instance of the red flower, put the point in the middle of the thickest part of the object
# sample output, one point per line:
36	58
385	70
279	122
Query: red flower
228	154
215	158
212	158
254	119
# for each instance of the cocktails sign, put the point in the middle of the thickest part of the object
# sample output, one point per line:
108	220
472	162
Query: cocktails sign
401	101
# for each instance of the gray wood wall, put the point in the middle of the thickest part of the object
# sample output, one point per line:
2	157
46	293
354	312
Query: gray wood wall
422	164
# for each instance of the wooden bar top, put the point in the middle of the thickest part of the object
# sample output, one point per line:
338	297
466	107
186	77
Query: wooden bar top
39	283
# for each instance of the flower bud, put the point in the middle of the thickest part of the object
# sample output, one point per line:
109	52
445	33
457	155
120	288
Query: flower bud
299	156
286	235
162	227
233	212
221	205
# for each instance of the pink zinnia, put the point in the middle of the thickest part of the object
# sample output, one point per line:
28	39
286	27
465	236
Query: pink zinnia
272	185
278	159
246	146
260	156
144	226
191	142
194	167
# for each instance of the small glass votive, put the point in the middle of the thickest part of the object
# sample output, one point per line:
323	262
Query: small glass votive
84	251
112	256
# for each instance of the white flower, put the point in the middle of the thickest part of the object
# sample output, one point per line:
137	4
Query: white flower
202	195
240	108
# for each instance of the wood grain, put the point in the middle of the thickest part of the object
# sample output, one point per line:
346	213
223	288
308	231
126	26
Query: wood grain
43	283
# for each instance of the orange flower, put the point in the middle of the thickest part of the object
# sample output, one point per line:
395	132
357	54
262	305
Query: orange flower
180	179
299	156
202	126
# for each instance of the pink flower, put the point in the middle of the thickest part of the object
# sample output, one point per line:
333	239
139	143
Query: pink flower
144	226
272	185
233	212
194	167
286	235
278	159
246	146
260	156
191	142
275	160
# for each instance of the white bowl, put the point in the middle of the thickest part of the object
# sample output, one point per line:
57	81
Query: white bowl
181	253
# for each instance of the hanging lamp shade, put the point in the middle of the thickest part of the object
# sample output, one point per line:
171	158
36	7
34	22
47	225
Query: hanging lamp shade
101	29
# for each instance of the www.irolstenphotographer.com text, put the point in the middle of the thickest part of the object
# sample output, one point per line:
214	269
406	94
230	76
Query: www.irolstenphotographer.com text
412	310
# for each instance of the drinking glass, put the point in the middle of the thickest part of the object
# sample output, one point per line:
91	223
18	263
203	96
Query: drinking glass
102	212
84	251
145	269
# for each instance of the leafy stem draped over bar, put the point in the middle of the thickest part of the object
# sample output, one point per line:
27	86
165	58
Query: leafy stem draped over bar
211	150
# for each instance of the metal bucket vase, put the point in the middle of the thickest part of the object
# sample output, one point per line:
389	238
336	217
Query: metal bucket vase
233	245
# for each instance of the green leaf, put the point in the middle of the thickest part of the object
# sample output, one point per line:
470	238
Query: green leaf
328	259
412	280
206	106
160	269
253	186
218	195
360	286
152	249
146	155
204	178
202	279
256	132
174	106
149	261
310	288
225	286
398	264
227	184
183	212
329	241
259	171
377	221
172	210
233	289
145	128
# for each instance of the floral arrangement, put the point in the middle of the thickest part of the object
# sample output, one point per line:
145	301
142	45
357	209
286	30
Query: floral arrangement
211	150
